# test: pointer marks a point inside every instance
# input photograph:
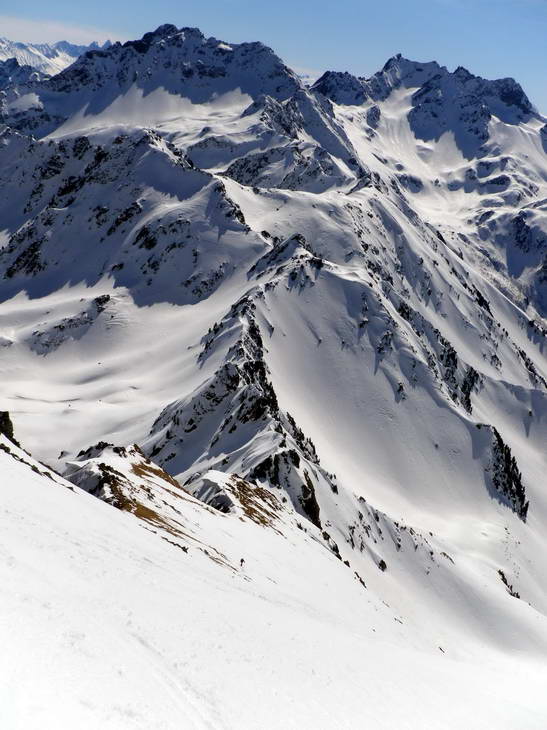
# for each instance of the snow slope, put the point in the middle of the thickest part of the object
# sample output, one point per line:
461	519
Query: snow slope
320	312
140	633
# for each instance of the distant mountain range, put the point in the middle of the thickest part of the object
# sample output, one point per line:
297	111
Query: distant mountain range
48	58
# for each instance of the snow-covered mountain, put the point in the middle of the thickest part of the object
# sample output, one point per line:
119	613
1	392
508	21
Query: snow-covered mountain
12	73
48	58
296	336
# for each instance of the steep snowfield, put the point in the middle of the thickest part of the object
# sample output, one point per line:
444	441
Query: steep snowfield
321	312
104	623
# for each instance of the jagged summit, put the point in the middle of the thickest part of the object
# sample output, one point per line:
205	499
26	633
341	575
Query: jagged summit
441	100
164	31
396	72
48	58
169	62
399	71
186	56
341	87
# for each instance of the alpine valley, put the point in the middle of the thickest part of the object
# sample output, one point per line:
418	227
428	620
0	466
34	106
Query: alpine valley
273	382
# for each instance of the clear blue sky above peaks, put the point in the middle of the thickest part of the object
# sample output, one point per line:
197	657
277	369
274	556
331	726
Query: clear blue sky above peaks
492	38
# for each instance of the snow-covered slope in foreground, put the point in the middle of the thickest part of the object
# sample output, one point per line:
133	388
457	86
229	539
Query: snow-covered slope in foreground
105	624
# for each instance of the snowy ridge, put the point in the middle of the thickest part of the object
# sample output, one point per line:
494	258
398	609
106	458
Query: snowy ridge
168	62
47	58
305	330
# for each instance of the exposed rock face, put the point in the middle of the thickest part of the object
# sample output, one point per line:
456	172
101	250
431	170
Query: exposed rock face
12	73
6	426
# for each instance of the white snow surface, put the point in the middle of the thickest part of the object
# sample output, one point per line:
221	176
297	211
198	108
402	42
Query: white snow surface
49	58
300	326
138	633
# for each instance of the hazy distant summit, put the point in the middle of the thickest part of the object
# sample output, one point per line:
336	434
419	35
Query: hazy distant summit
48	58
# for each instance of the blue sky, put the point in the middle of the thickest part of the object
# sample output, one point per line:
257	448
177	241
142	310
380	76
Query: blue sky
492	38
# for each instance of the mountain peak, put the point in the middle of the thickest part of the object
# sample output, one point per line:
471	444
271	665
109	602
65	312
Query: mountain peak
402	71
341	87
441	100
162	32
174	63
48	58
167	29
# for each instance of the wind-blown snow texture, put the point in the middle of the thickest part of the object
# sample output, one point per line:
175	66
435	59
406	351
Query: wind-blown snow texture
296	336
